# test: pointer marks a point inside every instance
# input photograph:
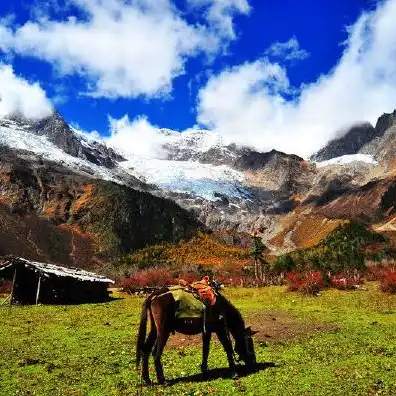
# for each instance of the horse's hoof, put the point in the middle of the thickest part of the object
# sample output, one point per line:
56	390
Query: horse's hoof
235	376
147	381
163	382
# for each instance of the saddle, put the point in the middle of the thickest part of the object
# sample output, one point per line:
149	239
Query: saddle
201	290
193	300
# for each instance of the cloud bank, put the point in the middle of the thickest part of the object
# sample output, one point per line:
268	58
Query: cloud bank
20	97
248	104
125	48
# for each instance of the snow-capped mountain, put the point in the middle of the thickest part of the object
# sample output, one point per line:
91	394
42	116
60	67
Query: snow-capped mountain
223	185
54	140
22	135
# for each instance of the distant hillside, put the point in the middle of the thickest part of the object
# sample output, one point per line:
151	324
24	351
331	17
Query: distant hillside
64	217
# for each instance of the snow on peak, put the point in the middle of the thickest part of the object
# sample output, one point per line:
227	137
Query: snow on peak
203	180
19	137
88	137
199	140
348	159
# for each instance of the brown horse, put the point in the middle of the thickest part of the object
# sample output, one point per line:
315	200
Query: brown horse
222	318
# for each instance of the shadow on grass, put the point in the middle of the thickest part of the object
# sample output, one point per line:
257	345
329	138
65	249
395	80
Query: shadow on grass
218	373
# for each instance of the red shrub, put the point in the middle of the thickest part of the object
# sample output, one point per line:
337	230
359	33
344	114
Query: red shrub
294	282
310	283
388	283
153	277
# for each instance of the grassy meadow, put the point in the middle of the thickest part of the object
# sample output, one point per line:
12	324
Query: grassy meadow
340	343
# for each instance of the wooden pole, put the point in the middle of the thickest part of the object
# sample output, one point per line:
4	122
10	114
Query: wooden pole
38	290
6	300
13	285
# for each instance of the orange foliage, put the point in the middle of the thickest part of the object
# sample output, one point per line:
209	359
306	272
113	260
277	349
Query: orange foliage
76	229
306	230
312	229
50	209
5	178
81	245
6	200
202	250
83	199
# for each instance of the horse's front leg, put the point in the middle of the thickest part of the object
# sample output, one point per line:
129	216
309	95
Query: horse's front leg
227	345
205	351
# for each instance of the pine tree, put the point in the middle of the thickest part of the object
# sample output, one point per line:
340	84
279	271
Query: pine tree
257	251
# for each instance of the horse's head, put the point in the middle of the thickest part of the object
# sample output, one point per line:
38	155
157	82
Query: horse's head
244	347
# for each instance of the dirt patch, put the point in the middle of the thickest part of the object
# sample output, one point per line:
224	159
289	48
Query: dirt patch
278	327
272	327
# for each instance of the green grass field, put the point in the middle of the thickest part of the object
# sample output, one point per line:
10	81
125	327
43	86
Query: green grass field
341	343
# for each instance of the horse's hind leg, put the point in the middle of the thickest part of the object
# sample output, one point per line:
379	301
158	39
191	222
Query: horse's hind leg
162	339
147	348
163	314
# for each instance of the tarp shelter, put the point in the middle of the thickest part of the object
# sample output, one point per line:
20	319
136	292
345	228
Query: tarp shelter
34	283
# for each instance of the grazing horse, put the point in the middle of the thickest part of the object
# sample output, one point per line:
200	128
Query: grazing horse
222	318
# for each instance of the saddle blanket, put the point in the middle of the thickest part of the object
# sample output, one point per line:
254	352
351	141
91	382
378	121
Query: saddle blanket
187	306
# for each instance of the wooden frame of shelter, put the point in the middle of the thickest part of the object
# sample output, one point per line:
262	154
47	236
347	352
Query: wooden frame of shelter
34	283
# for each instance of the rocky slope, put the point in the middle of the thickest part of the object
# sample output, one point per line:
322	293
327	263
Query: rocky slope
49	212
350	143
363	138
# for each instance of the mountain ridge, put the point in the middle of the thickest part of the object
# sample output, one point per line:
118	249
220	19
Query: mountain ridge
217	186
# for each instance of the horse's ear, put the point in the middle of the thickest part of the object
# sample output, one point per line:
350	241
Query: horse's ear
250	332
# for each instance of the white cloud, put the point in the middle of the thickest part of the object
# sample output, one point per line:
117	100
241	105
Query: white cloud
20	97
220	13
136	137
123	48
289	50
247	104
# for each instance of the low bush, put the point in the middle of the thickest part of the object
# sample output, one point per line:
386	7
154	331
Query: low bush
310	283
388	282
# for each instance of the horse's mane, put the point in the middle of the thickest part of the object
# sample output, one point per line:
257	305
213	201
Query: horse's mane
234	319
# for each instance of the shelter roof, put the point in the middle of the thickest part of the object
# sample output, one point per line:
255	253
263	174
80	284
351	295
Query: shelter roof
48	270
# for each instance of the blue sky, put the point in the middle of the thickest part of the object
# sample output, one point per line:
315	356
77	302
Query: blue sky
179	64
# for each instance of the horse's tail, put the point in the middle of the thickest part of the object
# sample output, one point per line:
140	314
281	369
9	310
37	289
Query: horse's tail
141	338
